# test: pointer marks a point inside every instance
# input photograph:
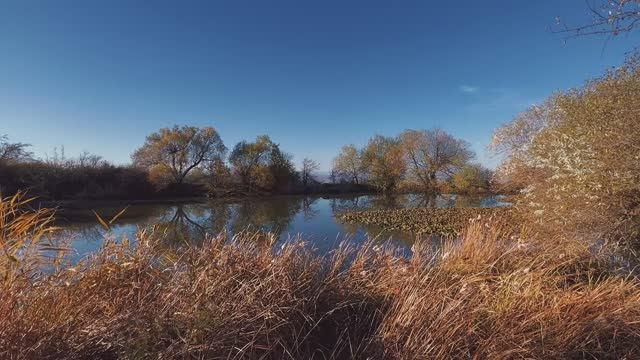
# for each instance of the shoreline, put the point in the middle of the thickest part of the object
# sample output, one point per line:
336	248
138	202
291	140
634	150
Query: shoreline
90	203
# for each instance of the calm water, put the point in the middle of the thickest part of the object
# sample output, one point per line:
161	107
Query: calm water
287	216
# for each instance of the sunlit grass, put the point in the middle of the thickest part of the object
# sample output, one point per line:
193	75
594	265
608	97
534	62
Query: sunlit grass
24	240
489	293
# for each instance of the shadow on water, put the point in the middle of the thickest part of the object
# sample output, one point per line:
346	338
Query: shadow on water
286	216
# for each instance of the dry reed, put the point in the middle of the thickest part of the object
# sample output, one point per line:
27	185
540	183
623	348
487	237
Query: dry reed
489	293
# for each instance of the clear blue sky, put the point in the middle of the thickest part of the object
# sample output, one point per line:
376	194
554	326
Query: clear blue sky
314	75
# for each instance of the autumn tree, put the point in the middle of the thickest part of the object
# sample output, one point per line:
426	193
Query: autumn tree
384	162
433	153
13	152
348	164
247	157
308	167
471	178
262	163
219	174
171	154
281	168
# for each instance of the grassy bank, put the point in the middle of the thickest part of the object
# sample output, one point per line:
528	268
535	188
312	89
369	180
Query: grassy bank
489	293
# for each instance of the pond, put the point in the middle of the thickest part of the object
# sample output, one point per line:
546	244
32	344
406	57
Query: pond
311	217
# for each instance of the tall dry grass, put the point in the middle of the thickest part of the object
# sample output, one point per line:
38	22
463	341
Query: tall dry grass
24	237
488	294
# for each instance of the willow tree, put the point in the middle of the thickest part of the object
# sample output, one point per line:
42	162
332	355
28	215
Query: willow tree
434	153
172	153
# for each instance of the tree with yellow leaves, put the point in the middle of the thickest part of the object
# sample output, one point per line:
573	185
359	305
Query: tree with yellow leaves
172	153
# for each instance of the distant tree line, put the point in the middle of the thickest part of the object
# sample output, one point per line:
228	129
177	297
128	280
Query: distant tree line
416	160
57	177
178	161
191	161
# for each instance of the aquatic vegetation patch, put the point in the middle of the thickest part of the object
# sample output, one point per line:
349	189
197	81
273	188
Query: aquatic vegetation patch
423	221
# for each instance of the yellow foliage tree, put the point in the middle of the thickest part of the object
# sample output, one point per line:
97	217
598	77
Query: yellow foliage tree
171	154
384	162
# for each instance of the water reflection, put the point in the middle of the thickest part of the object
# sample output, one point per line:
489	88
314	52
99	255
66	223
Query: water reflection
285	216
187	224
274	215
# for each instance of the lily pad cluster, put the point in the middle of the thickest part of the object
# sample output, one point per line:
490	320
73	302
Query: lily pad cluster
422	220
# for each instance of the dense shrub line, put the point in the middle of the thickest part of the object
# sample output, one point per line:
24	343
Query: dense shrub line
104	182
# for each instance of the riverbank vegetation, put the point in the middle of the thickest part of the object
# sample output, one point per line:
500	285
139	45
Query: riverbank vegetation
186	161
429	161
178	162
575	159
571	162
490	293
61	178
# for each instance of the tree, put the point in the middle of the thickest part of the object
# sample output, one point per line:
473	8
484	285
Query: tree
219	174
309	166
333	176
173	153
246	158
13	152
348	164
608	17
262	163
86	159
384	162
433	153
281	167
472	178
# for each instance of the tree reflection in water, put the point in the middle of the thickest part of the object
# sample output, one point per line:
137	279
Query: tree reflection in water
346	203
308	210
185	225
190	223
312	216
389	201
273	215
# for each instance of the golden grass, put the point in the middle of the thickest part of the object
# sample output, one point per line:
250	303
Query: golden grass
24	237
486	294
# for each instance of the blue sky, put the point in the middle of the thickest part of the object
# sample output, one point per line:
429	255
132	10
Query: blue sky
314	75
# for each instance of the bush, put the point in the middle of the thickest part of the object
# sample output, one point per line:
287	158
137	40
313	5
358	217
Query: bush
58	182
576	157
471	179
